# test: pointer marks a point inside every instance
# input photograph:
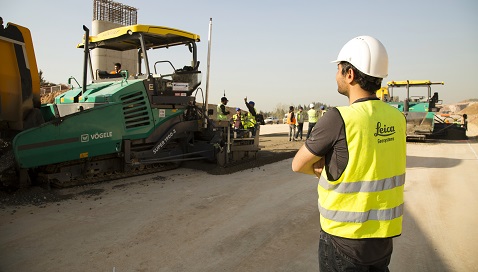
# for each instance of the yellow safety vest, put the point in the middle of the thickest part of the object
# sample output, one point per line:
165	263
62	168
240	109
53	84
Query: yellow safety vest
249	120
367	199
300	117
312	116
241	118
253	118
220	116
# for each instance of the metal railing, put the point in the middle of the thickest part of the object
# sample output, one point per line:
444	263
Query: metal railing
46	90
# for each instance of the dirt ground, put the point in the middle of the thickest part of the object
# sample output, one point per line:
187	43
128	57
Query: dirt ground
256	216
263	218
274	147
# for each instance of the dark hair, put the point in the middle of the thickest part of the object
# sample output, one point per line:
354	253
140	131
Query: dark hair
118	64
368	83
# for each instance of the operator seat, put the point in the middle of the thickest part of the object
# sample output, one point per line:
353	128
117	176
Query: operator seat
101	74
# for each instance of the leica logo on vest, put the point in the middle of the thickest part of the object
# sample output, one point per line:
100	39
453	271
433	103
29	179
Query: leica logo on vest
383	130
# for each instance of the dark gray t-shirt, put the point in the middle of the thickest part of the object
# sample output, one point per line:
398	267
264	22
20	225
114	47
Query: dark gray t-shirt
328	140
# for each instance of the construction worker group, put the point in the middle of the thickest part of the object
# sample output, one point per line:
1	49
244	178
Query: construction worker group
247	120
242	121
295	120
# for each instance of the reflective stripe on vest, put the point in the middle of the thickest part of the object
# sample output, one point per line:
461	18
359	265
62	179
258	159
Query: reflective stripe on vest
312	116
362	217
364	186
366	201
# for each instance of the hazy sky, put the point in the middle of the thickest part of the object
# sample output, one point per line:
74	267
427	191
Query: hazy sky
279	52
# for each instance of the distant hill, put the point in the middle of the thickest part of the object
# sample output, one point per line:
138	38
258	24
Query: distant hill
472	108
469	100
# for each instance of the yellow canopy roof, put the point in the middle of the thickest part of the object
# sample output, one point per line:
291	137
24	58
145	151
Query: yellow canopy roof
124	38
412	83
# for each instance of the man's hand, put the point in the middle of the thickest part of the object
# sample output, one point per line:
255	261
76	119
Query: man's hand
318	167
307	163
245	99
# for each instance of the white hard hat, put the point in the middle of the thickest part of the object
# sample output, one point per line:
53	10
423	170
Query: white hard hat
311	105
367	54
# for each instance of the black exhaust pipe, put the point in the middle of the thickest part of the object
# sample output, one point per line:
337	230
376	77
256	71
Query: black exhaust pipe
85	63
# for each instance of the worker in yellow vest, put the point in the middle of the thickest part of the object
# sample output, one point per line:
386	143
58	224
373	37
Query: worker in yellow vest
360	192
238	120
238	123
222	113
313	117
249	121
300	123
251	116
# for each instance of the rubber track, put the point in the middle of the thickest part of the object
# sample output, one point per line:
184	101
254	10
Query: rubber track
103	176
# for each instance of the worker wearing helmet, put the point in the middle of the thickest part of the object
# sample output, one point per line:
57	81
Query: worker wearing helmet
222	113
313	117
239	123
238	120
251	116
300	123
360	193
322	110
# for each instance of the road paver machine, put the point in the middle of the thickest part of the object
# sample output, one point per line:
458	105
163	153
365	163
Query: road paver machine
421	108
134	122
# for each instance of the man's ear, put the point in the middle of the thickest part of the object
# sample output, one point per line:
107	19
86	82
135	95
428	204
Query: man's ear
350	76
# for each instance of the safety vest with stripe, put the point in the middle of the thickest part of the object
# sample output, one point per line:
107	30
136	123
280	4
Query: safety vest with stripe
312	116
250	121
366	201
220	116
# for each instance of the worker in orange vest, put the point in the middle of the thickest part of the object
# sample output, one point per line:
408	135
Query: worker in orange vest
291	120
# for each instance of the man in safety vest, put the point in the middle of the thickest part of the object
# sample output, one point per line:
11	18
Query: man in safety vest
300	123
239	123
238	120
249	121
359	154
251	116
221	111
313	117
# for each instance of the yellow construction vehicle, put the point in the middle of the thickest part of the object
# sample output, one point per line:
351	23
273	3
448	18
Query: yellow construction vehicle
19	80
19	90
